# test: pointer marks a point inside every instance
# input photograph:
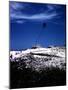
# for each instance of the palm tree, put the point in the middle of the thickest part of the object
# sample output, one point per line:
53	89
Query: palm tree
43	26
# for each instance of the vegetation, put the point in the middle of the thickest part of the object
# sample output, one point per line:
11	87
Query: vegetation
27	77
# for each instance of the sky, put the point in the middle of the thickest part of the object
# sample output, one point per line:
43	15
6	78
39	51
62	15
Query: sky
26	25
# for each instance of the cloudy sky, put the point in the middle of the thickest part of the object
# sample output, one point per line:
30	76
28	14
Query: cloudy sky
26	24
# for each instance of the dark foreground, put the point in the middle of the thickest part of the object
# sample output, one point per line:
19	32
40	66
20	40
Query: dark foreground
26	77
